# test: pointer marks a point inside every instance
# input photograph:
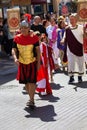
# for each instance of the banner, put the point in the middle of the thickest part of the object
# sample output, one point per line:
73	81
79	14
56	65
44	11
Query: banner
13	16
82	11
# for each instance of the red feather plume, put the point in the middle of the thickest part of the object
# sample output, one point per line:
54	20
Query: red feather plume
28	16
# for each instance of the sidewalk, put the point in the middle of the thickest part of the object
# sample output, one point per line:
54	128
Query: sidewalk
66	109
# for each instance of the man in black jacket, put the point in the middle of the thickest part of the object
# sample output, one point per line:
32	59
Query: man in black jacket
37	26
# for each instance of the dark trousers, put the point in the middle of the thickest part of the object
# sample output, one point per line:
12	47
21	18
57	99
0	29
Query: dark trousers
8	46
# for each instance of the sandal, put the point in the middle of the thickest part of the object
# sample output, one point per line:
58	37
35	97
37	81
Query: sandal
31	104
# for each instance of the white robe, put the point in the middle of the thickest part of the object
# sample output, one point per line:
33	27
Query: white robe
76	64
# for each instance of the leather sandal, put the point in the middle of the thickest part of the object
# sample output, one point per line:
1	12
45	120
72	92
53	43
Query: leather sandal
31	104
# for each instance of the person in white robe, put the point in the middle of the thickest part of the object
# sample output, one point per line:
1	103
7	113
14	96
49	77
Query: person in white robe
74	41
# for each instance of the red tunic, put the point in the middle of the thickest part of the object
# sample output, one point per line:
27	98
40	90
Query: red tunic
27	69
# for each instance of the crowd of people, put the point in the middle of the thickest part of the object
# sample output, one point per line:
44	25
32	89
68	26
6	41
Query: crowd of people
41	46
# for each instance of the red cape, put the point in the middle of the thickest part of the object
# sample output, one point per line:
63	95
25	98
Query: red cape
26	40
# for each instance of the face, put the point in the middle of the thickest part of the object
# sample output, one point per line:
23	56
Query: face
73	20
62	24
38	20
45	39
52	22
24	30
47	24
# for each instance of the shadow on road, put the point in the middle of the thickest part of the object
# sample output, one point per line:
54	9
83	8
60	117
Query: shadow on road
55	86
7	78
49	98
80	85
45	113
8	70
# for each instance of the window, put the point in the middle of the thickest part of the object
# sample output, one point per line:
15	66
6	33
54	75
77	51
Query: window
38	9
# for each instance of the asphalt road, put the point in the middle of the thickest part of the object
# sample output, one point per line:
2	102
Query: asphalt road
65	109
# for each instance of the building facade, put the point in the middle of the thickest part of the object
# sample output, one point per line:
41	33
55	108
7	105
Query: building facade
30	6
